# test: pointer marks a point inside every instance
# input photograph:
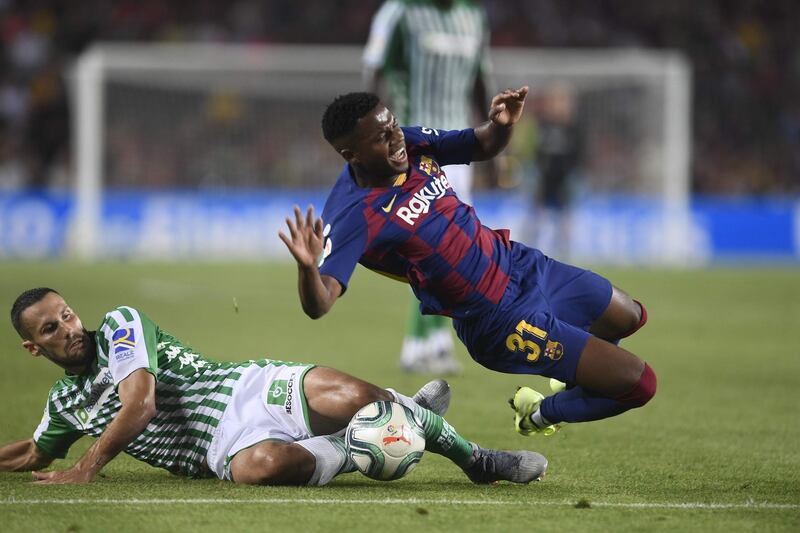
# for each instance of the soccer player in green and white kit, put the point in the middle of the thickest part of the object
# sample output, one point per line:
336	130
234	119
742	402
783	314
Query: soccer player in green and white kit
431	56
139	390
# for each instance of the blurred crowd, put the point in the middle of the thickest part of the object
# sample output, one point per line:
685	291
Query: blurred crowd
745	56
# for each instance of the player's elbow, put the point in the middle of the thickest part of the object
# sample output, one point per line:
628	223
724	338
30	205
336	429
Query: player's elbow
149	410
314	311
32	459
37	462
144	411
317	309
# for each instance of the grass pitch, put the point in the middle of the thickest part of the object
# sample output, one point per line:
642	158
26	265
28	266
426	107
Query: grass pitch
718	449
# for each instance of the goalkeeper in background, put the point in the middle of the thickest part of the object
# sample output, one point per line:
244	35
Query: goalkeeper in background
429	59
138	389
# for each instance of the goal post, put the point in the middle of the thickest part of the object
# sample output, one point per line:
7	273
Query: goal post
216	118
662	81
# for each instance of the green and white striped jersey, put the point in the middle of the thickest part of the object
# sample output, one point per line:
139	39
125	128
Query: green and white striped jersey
191	395
430	58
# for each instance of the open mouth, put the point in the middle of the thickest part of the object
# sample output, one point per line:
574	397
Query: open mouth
399	156
76	345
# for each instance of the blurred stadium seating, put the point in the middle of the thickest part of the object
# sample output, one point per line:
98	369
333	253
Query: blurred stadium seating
745	169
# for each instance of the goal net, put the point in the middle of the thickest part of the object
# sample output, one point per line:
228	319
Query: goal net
227	119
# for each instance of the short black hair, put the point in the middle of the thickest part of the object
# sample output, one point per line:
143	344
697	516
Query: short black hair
342	114
24	301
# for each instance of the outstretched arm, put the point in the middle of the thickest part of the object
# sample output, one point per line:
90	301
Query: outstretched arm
318	292
137	393
22	456
505	111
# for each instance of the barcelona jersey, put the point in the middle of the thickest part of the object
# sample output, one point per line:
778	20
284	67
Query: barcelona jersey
418	230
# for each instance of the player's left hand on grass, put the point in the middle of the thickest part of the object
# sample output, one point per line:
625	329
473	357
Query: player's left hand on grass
506	107
61	477
305	238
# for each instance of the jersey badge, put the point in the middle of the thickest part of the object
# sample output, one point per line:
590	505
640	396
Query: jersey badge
123	341
554	350
428	166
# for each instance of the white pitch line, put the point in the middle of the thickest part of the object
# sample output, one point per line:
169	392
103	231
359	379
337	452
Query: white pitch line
410	501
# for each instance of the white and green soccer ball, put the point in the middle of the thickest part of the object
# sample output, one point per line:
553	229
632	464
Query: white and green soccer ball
385	440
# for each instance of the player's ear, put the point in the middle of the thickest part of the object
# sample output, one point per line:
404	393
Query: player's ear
348	155
31	347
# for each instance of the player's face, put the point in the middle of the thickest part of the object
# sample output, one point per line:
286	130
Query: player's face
57	333
378	146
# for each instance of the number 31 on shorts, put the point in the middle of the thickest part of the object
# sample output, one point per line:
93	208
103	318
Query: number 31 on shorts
516	343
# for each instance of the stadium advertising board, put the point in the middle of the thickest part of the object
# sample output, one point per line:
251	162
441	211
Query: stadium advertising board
244	225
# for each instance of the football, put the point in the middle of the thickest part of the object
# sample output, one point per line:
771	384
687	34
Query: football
385	440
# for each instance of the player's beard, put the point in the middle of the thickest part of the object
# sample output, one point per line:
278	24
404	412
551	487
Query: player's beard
77	355
82	353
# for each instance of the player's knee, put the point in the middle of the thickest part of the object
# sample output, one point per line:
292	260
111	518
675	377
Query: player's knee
361	394
269	470
273	464
637	320
642	391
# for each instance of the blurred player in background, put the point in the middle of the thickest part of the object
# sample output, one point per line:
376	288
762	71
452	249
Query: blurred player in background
139	390
429	59
557	155
393	210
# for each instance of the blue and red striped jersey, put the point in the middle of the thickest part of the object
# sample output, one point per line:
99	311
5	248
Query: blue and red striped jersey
419	231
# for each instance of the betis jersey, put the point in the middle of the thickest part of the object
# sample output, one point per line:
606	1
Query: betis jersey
191	395
419	231
431	57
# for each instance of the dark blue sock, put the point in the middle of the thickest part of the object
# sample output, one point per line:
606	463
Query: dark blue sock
578	405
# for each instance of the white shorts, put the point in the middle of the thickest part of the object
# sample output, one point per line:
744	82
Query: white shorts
268	403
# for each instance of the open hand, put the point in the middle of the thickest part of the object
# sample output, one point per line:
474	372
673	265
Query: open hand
506	107
61	477
305	238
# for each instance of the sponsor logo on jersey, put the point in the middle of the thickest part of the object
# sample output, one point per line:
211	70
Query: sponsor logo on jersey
420	203
123	341
388	208
102	387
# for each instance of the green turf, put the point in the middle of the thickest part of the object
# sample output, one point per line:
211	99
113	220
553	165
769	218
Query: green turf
723	429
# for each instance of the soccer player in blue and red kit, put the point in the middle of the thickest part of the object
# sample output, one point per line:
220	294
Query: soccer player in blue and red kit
517	311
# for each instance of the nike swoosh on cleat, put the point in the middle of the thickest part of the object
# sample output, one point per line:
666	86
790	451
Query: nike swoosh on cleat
389	207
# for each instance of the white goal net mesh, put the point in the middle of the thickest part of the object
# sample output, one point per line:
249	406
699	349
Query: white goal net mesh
210	117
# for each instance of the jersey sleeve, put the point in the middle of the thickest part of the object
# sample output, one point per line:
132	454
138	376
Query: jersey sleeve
54	435
385	44
448	147
345	242
129	340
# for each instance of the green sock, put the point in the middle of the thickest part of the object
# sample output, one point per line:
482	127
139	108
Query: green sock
415	325
441	438
437	322
423	326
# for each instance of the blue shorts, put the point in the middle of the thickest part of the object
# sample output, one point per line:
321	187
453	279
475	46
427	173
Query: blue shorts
541	324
